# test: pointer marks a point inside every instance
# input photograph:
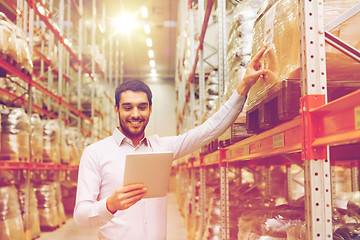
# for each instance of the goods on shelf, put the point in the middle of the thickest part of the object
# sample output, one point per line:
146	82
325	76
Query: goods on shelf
278	27
59	204
68	192
64	148
211	94
86	90
73	140
11	223
50	53
15	135
239	43
47	206
33	209
51	152
12	85
94	52
238	56
14	45
36	140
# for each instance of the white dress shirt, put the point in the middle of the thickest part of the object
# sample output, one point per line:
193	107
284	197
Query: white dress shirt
101	171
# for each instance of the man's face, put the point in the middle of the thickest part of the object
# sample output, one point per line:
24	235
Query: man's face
134	113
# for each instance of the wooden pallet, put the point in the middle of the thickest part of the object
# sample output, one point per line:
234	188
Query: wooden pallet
282	102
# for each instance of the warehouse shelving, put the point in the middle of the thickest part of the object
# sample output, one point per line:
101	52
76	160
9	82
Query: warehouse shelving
303	140
71	66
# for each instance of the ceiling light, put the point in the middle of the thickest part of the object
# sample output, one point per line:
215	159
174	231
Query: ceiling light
67	42
41	10
101	28
149	42
151	53
152	63
144	12
147	28
125	23
153	71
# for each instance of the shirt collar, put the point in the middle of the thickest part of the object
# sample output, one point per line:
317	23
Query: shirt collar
120	138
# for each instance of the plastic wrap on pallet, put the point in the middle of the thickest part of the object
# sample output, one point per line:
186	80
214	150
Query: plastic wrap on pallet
68	192
33	209
11	223
59	204
86	90
5	33
211	99
15	134
16	46
73	140
46	197
64	147
51	152
15	86
239	43
281	18
270	222
37	145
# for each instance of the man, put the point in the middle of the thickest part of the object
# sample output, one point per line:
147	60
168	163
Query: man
120	211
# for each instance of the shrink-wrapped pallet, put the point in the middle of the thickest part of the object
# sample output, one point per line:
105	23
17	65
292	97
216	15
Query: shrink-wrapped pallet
59	205
272	223
278	26
5	33
48	213
68	193
51	151
238	56
34	221
211	94
15	86
15	135
16	47
73	137
240	43
37	146
11	223
64	147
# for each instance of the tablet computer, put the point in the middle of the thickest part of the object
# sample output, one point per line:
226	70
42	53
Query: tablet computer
152	168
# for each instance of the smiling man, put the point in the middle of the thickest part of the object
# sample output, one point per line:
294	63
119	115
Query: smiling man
120	210
133	109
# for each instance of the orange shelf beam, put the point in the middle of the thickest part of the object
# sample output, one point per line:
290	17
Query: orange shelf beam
284	138
339	121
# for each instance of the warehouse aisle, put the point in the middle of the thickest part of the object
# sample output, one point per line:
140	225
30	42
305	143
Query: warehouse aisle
70	231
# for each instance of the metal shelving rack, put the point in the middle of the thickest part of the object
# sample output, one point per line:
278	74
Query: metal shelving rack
302	140
34	12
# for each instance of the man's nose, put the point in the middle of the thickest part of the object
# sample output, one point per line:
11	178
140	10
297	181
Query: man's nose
135	113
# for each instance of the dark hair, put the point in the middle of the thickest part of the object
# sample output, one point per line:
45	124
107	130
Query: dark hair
133	85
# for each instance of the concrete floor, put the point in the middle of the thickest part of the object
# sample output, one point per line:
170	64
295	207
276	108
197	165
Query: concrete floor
70	231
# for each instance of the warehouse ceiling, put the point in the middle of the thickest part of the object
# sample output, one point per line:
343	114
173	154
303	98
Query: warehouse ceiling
162	16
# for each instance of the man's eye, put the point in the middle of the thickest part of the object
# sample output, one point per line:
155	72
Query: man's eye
127	108
142	108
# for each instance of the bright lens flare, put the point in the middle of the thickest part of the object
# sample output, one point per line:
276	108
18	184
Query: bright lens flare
125	23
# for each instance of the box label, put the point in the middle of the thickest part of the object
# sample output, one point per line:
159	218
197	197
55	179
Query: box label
246	150
279	140
357	118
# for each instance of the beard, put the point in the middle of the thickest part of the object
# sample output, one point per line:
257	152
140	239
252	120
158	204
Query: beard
130	132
